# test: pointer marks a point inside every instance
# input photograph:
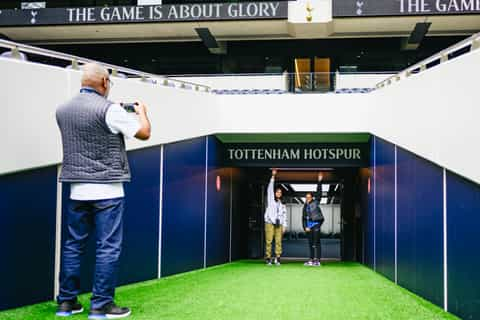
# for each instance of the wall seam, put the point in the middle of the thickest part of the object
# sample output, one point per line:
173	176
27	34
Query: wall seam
374	203
396	219
58	235
205	205
231	208
160	208
445	264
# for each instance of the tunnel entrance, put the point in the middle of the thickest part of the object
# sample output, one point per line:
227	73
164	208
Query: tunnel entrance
339	193
340	158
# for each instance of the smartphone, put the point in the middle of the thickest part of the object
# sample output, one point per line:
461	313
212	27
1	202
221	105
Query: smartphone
129	107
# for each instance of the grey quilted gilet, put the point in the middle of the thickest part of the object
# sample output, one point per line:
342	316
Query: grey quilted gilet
91	152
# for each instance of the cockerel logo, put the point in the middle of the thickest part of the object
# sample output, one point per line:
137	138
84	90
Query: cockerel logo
360	7
34	14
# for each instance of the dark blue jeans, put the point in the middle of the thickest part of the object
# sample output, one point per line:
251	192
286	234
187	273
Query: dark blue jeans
105	217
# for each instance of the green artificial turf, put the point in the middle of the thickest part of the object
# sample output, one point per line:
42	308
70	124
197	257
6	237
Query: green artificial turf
249	290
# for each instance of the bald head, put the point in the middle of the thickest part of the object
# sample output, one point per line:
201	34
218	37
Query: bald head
96	77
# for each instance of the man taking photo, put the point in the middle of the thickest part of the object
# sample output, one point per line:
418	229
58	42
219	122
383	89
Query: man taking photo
95	165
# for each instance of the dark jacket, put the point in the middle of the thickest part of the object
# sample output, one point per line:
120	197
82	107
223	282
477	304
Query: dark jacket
315	213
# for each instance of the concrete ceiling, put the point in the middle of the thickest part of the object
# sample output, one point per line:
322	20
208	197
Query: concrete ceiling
244	30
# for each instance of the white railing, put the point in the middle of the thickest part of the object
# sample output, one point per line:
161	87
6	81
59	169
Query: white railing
76	62
443	56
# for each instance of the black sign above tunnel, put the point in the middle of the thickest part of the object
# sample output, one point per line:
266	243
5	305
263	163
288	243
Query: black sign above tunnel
296	155
142	14
348	8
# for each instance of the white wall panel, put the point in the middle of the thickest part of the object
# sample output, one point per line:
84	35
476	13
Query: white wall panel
360	80
241	82
435	114
29	93
295	113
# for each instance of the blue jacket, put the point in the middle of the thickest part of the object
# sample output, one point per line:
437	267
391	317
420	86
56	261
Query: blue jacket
312	211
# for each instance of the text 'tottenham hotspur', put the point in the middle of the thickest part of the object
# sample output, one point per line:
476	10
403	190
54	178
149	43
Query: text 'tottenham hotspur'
295	154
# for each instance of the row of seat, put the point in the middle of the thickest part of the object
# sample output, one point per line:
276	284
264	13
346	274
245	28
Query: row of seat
354	90
280	91
249	91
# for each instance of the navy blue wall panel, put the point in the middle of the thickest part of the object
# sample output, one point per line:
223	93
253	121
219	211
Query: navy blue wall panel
420	226
27	237
139	259
385	208
183	206
240	209
463	225
218	206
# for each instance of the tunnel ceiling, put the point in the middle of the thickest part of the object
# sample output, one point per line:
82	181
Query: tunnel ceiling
293	137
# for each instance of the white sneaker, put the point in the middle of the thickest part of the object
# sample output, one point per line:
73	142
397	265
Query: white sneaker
309	263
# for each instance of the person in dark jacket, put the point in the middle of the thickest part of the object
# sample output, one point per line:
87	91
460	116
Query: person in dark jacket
312	221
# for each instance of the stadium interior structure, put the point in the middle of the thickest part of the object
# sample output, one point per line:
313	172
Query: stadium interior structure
406	207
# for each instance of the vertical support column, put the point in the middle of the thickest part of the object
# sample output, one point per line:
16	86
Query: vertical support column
58	235
160	214
396	212
374	203
445	266
205	213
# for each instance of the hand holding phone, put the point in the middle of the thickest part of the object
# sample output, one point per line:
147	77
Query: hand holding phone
129	107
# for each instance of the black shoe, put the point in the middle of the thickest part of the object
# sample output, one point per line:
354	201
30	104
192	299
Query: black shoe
68	308
110	311
268	261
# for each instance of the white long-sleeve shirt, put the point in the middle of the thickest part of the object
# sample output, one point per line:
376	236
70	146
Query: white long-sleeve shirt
275	209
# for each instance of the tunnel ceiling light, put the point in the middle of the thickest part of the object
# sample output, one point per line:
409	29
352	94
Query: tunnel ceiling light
304	187
304	169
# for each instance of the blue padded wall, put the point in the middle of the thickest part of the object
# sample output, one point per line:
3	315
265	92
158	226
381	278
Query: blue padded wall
385	208
463	225
420	226
140	222
183	216
27	236
139	261
218	206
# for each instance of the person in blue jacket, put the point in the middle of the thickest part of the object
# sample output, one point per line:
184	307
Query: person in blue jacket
312	218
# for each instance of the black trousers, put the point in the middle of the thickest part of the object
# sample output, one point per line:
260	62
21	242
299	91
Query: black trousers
314	242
